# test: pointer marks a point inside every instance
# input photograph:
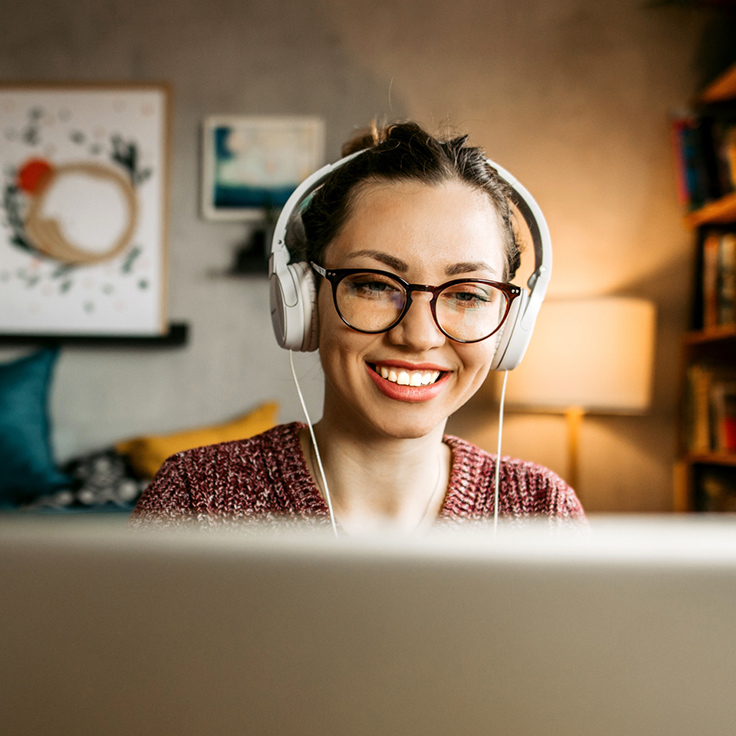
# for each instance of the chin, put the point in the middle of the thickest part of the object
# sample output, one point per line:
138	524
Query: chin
409	428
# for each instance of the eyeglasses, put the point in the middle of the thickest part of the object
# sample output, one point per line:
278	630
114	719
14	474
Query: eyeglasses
465	310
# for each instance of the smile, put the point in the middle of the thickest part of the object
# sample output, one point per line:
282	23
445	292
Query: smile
405	377
403	383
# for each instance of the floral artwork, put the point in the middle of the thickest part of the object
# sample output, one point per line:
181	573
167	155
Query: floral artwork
83	222
252	164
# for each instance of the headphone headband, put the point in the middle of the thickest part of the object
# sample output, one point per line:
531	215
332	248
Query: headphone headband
293	290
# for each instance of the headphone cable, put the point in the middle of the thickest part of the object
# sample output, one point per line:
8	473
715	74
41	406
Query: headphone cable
328	499
314	444
497	474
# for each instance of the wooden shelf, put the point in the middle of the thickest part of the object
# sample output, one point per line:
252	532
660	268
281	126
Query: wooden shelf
712	458
719	212
712	334
721	89
175	337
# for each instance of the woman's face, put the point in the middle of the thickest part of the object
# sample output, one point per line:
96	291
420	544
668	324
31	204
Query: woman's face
426	234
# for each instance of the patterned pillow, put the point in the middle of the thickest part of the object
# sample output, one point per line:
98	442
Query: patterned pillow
102	480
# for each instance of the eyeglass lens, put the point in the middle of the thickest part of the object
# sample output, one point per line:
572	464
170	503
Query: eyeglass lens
466	311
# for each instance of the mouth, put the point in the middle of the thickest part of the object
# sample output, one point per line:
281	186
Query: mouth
405	376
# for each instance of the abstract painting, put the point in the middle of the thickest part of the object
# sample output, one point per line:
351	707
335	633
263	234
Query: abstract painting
83	234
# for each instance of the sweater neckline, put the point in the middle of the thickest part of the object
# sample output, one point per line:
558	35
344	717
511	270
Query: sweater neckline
456	495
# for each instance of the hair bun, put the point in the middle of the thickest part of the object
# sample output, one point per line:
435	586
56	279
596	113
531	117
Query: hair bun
364	138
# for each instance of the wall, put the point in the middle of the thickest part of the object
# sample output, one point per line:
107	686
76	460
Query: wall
572	96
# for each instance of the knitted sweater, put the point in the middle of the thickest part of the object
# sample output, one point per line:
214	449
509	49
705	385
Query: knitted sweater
266	477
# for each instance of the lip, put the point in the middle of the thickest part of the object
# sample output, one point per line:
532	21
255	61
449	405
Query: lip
411	366
412	394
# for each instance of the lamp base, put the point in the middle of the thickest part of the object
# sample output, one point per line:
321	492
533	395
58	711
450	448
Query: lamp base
574	417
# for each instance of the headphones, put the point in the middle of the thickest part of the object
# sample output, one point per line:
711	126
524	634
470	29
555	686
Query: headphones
293	286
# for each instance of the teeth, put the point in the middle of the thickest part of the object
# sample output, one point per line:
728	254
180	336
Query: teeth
408	378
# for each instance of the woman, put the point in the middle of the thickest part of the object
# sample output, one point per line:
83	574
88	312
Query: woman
398	361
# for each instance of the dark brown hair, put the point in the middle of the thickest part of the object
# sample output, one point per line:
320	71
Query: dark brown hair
403	152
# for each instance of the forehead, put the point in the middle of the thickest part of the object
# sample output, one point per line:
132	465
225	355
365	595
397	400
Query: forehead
450	221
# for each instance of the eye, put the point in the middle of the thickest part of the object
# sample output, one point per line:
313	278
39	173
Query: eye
468	296
372	286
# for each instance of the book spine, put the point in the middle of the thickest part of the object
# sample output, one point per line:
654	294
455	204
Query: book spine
711	248
695	169
697	419
727	279
710	410
677	126
723	144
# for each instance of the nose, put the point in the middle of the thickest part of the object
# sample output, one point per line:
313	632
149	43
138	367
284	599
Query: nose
418	330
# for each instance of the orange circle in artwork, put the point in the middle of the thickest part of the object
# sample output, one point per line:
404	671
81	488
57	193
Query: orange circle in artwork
33	174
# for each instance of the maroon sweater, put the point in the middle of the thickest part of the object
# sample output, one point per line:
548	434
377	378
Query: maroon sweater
266	477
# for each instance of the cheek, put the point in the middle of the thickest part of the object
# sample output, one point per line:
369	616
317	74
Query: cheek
330	323
337	342
477	358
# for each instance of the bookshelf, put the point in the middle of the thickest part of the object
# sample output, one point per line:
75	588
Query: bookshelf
721	89
705	471
721	211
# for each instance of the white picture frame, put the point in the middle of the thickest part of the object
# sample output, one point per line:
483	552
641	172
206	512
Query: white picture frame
83	237
251	164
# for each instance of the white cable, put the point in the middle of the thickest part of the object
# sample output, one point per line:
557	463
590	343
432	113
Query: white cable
314	444
498	454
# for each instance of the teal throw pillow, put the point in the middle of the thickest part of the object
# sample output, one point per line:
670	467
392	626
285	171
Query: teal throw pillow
27	467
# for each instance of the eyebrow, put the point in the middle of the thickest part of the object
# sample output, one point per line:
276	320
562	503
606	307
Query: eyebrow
468	267
385	258
402	267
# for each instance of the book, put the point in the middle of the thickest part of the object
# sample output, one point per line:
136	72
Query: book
723	406
710	409
696	179
697	409
723	138
711	249
726	279
704	149
678	149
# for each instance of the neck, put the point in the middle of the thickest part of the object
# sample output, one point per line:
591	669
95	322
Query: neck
381	483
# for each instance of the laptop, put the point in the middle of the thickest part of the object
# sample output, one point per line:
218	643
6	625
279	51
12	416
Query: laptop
628	628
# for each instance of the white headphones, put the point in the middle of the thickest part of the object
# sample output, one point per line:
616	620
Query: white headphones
294	291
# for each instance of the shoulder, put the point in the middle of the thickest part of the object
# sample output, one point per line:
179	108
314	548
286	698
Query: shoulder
234	460
276	441
230	478
526	488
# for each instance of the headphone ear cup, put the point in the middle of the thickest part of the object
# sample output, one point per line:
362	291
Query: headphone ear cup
293	312
308	299
510	343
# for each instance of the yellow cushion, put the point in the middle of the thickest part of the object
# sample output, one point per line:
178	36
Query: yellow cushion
147	454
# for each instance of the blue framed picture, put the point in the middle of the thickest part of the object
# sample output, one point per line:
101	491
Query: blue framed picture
252	164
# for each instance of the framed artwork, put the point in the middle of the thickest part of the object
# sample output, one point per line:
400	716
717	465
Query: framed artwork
250	165
84	186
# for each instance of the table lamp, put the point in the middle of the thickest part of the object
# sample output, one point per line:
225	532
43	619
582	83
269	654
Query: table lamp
587	356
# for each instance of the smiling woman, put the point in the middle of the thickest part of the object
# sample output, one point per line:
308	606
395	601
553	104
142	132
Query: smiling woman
401	256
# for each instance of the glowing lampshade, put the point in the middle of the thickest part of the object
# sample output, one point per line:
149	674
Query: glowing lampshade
587	356
591	354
